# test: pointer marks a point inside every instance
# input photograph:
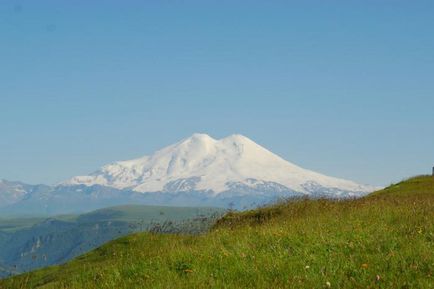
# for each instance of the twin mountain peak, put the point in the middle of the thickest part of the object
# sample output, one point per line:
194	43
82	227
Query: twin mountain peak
234	165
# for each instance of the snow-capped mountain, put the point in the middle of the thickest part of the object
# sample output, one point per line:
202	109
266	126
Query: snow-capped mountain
231	172
232	166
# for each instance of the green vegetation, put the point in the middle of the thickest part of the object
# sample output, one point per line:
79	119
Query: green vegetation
132	213
26	244
15	224
385	240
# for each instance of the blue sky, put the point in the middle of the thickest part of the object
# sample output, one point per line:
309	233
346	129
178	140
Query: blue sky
342	87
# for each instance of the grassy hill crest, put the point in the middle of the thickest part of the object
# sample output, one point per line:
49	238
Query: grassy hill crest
384	240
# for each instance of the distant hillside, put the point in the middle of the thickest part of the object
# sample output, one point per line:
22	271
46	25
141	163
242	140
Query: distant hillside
27	244
384	240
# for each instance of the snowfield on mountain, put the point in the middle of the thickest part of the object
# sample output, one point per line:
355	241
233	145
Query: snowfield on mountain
201	163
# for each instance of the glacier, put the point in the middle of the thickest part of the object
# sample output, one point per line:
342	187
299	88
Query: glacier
203	163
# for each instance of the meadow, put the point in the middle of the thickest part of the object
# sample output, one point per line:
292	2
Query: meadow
384	240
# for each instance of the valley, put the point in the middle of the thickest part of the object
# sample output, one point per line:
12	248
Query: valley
31	243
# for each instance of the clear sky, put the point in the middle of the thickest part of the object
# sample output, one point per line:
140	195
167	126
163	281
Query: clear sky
345	88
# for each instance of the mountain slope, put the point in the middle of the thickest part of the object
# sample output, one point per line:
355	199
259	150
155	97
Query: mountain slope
384	240
14	192
201	163
27	244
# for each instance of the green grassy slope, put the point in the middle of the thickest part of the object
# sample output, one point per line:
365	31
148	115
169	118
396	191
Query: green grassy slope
27	244
385	240
131	213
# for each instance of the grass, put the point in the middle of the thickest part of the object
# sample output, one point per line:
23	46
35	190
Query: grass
385	240
126	213
15	224
132	213
27	244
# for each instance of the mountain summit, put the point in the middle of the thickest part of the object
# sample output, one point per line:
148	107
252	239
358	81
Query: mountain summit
234	165
233	172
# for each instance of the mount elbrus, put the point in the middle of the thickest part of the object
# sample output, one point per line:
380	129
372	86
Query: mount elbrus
197	171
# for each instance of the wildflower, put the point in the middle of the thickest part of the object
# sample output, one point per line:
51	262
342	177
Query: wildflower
328	284
307	267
